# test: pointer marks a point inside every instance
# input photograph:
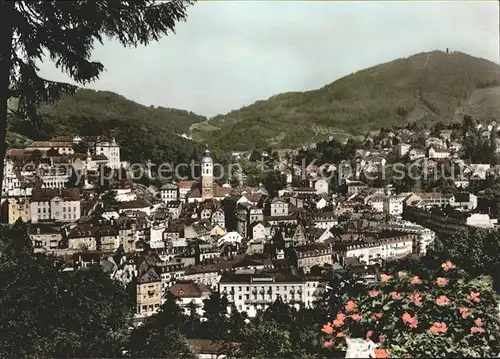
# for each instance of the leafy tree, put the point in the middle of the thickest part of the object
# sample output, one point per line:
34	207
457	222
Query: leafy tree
67	31
237	323
161	334
76	179
265	339
109	200
229	206
192	325
274	181
50	313
81	147
52	152
215	311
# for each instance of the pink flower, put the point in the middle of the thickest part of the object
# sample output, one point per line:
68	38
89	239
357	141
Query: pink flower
438	328
376	315
411	321
340	335
442	300
416	280
328	343
327	328
447	266
441	281
478	322
338	323
464	312
369	335
416	298
474	297
380	353
373	293
356	317
476	330
381	338
395	295
350	306
385	277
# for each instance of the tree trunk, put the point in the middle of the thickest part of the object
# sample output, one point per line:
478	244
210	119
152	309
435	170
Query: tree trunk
6	27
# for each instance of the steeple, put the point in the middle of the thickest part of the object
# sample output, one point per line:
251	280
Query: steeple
207	184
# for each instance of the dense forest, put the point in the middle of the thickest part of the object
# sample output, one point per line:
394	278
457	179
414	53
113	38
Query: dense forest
423	88
143	133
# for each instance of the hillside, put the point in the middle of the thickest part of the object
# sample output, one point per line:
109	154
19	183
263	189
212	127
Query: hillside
427	87
142	132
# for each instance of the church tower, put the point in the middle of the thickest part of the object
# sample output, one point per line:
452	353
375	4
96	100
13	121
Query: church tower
207	178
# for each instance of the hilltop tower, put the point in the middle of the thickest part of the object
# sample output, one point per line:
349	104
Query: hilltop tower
207	178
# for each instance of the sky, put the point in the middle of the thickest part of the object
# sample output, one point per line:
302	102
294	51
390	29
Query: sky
229	54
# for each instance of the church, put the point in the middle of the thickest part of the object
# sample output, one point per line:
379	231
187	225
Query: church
207	189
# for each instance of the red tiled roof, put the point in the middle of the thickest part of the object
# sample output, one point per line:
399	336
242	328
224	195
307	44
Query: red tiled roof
46	194
189	289
186	184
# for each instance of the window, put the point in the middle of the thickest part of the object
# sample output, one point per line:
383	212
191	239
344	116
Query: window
64	209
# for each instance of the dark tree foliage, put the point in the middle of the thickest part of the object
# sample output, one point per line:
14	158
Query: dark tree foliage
50	313
161	335
66	32
229	206
216	313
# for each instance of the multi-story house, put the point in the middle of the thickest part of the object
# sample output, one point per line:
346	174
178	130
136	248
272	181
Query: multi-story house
11	179
309	255
149	293
82	237
207	274
279	208
107	238
393	205
169	192
447	222
174	208
253	290
189	294
110	149
169	273
376	201
422	237
19	208
373	250
59	205
45	237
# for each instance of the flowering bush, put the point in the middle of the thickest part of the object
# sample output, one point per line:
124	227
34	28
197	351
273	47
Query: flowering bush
407	316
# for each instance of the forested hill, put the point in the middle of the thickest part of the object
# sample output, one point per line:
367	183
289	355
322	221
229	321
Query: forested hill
142	132
426	87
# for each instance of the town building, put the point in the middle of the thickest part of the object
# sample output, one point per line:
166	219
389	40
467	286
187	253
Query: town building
59	205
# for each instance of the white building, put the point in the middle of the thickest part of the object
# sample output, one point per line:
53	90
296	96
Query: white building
169	192
60	205
252	290
190	293
321	186
393	205
370	252
279	208
424	237
376	201
10	178
111	150
438	154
